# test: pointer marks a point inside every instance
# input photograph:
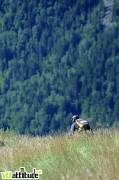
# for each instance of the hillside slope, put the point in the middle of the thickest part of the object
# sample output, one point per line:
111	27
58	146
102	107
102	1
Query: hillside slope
60	157
58	58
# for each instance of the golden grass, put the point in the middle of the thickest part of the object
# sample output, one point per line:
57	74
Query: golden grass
78	157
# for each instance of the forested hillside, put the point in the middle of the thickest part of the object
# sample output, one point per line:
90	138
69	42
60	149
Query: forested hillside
58	58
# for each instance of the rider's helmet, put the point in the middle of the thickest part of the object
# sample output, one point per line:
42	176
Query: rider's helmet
74	118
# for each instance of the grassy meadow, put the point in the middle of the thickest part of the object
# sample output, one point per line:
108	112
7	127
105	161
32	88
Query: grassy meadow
78	157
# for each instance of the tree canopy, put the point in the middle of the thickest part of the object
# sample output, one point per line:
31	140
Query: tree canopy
58	58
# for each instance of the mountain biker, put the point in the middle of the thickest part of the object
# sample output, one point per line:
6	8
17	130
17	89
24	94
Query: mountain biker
79	124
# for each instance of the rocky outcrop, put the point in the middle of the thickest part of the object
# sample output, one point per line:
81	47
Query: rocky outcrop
107	18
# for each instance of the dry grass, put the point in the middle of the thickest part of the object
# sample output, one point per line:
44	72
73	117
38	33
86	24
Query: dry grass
79	157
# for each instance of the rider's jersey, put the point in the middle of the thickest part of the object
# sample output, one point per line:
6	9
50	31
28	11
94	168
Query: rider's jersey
81	122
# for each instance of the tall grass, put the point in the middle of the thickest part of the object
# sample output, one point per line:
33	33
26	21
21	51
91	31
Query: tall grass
78	157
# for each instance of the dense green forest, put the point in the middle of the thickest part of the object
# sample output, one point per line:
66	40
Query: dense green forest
58	58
